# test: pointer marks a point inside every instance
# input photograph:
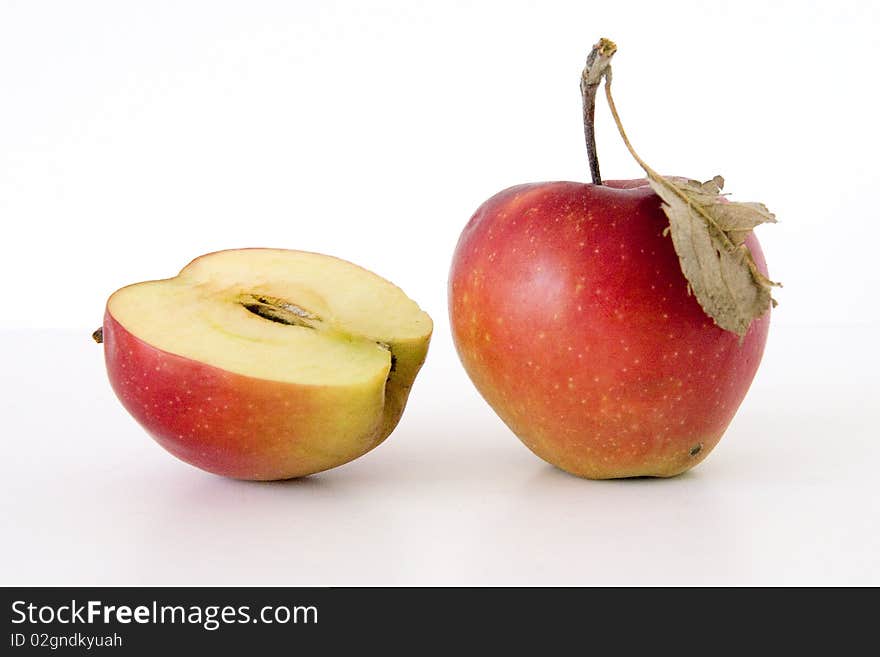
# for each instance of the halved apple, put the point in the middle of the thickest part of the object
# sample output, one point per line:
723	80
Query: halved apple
265	363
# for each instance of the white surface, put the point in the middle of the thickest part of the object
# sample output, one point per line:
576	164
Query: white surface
790	496
136	136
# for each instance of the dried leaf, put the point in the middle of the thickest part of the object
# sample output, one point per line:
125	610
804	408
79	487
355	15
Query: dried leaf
708	233
738	219
713	186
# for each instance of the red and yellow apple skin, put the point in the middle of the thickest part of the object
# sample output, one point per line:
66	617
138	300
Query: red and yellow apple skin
239	426
571	315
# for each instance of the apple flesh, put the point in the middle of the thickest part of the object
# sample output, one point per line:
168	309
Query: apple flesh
571	315
263	363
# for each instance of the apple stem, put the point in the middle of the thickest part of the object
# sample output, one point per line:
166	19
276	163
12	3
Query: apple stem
595	69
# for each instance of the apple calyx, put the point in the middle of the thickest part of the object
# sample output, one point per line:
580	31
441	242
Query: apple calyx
708	231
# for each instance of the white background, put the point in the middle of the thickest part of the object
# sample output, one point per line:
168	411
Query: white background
136	136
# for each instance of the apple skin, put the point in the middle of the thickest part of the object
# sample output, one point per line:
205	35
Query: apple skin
572	317
244	427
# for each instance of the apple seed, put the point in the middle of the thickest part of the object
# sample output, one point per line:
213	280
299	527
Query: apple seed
278	310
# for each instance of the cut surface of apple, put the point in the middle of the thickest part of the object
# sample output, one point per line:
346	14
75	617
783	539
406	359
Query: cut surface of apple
265	363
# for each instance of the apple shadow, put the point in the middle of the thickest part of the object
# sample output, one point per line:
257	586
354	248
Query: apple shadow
312	481
549	472
204	493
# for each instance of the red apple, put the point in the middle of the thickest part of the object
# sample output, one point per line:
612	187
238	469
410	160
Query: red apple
572	317
615	327
265	363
